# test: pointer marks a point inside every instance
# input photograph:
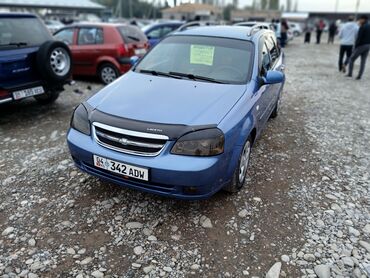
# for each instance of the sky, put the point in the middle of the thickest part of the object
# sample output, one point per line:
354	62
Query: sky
311	5
325	5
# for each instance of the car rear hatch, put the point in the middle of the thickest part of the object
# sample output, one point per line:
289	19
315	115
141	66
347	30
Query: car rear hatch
20	38
135	40
18	67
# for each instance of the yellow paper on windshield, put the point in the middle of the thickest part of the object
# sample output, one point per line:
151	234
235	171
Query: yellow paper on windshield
202	54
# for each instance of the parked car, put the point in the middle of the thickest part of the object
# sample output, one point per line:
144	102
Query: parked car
32	63
193	24
53	25
156	31
264	25
295	28
183	121
103	49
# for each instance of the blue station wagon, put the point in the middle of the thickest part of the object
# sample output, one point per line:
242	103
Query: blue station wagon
183	121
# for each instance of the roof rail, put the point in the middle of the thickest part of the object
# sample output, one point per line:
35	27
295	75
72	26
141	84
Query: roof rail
255	28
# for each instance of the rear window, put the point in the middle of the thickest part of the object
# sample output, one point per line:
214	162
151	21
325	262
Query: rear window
22	31
131	34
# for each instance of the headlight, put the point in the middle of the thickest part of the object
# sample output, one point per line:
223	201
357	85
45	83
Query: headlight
80	120
205	142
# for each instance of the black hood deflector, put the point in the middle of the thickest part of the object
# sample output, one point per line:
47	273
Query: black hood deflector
173	131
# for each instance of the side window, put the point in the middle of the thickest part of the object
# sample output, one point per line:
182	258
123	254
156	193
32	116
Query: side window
265	60
88	35
166	30
65	35
155	34
99	36
271	49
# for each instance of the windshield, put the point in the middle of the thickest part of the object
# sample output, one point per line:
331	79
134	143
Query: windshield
195	57
22	32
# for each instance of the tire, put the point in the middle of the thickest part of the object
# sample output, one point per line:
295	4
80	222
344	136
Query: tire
107	73
276	110
47	98
54	61
240	173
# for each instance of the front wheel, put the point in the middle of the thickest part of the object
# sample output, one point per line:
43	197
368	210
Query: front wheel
108	73
241	171
48	97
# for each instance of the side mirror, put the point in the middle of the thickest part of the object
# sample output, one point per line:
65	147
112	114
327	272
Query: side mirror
273	77
134	60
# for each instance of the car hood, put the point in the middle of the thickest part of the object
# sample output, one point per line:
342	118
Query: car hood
166	100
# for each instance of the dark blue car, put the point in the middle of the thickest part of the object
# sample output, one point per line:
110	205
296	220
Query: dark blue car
183	121
32	63
155	32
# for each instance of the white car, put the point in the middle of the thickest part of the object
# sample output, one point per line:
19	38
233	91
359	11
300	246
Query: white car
295	28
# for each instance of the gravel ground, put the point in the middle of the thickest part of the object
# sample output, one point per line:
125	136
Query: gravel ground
303	212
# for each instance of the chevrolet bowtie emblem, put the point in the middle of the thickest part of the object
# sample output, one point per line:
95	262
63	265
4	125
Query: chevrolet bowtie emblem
123	141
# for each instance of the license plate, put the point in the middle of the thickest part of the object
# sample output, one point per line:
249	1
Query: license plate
121	168
140	51
28	92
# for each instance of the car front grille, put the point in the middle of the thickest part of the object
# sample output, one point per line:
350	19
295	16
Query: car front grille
129	141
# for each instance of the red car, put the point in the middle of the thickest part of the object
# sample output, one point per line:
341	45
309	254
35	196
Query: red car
103	49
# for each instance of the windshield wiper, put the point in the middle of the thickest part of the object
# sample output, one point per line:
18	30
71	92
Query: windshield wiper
197	77
159	73
133	38
19	44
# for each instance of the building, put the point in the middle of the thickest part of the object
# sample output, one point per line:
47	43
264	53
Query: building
254	15
190	12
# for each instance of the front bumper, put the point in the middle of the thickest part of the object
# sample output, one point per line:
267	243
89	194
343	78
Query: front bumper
177	176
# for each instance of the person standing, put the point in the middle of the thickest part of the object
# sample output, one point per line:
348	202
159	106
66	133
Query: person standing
284	32
362	46
307	35
320	26
332	31
347	35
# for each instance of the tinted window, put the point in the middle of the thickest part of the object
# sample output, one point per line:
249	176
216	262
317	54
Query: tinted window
23	30
131	34
65	35
226	60
88	35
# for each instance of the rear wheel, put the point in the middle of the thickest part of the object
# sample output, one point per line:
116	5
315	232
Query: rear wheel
48	97
241	171
108	73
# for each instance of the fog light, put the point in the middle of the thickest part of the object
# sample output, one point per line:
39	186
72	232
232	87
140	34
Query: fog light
190	190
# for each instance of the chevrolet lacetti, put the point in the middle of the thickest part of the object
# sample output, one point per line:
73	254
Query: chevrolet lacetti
183	120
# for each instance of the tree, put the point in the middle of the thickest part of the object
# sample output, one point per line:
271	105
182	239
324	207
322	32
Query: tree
274	4
264	4
227	12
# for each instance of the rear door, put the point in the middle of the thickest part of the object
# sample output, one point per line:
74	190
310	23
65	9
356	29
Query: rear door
89	47
20	38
